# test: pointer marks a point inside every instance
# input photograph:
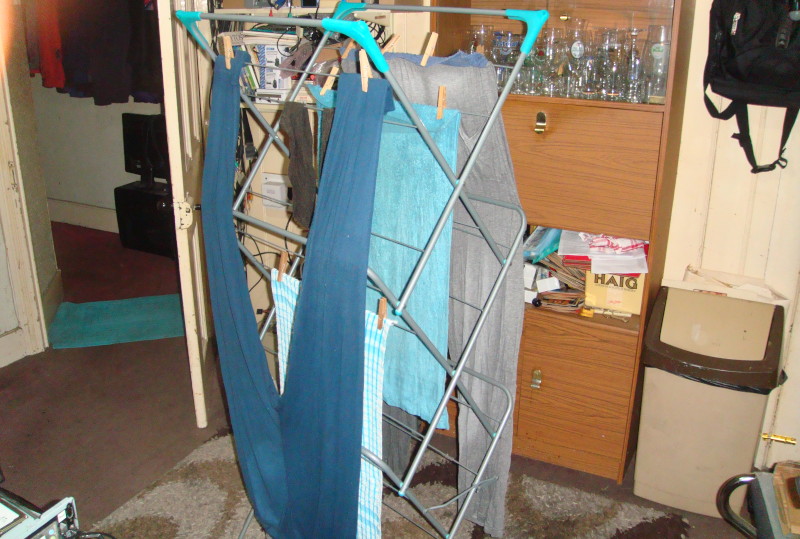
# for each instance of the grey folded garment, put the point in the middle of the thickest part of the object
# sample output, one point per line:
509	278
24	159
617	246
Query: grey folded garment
474	269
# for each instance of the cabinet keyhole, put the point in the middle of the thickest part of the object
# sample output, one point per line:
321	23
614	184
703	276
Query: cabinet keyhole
536	380
541	123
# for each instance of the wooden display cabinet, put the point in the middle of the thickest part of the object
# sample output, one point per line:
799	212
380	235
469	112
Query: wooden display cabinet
599	167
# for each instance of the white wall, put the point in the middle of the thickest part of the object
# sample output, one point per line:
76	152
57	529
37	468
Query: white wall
82	155
725	218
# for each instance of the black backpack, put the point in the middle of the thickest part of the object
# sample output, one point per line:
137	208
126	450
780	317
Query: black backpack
754	59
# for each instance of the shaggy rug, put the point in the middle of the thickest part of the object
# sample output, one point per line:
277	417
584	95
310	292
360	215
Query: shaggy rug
203	498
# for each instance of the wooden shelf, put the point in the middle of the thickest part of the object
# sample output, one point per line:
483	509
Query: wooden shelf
598	320
532	100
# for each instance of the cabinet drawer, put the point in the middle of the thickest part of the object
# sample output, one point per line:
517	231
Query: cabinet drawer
578	417
592	169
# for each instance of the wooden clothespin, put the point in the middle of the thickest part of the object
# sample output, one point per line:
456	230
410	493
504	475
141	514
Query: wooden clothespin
382	307
365	68
441	102
391	44
329	81
429	47
227	50
351	44
283	263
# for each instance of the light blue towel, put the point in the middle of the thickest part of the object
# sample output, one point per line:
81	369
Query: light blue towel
97	323
370	488
410	195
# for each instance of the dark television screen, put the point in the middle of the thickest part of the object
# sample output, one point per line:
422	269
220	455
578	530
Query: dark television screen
144	138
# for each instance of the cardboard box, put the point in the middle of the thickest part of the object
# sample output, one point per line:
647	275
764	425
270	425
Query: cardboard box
615	292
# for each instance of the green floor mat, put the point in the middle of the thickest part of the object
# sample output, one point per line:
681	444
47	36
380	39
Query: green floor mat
78	325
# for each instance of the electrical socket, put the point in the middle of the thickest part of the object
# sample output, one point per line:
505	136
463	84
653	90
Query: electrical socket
276	187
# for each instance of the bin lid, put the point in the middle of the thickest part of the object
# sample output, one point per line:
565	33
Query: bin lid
715	339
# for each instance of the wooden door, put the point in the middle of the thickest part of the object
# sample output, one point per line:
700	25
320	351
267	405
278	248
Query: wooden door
182	108
590	167
574	392
21	318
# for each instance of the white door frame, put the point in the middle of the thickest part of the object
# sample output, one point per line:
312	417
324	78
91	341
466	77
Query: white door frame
183	112
31	336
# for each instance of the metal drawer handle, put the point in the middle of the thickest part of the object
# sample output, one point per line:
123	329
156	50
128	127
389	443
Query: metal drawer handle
536	381
541	123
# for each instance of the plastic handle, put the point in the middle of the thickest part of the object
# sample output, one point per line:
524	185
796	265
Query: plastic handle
190	19
359	31
343	9
534	20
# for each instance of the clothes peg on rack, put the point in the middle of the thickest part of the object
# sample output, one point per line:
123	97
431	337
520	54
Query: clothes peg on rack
432	38
351	44
329	81
365	69
441	102
391	44
382	307
227	50
283	263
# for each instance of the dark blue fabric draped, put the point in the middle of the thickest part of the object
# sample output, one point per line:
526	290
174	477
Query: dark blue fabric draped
253	402
322	413
299	453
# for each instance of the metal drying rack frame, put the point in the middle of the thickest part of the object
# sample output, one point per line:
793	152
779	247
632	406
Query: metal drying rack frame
359	32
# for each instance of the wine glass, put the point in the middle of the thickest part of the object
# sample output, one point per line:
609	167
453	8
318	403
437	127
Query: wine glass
636	83
553	61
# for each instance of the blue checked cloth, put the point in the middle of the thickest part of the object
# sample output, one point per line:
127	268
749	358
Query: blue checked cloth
370	488
261	50
285	294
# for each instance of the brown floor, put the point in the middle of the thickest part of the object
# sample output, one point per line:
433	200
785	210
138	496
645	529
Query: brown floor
102	423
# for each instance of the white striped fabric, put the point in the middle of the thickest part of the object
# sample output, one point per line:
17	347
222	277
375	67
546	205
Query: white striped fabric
370	489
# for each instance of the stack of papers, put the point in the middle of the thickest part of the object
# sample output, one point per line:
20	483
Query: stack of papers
616	255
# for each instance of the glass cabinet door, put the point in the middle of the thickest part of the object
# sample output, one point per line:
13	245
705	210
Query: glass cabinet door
614	51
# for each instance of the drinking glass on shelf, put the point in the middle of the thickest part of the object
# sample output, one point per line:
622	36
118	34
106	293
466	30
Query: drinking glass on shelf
505	50
635	84
576	42
656	62
527	76
613	66
553	61
480	39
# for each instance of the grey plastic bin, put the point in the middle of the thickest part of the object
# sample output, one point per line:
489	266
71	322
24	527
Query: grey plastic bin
710	362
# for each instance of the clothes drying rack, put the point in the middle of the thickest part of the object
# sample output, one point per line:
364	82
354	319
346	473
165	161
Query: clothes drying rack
341	22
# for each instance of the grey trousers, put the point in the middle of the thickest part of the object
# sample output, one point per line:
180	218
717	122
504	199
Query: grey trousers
474	269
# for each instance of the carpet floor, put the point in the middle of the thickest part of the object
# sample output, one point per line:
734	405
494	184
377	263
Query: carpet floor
203	498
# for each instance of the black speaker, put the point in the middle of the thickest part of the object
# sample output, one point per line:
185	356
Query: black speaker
145	218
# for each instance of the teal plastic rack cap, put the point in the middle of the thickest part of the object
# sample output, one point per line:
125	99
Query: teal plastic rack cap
534	20
359	31
343	9
188	17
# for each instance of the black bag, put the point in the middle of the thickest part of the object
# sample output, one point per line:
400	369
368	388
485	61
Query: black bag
754	59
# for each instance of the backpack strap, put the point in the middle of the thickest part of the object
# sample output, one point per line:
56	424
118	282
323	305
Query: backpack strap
725	114
743	136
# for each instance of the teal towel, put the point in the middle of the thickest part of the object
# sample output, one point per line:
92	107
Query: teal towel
410	195
79	325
